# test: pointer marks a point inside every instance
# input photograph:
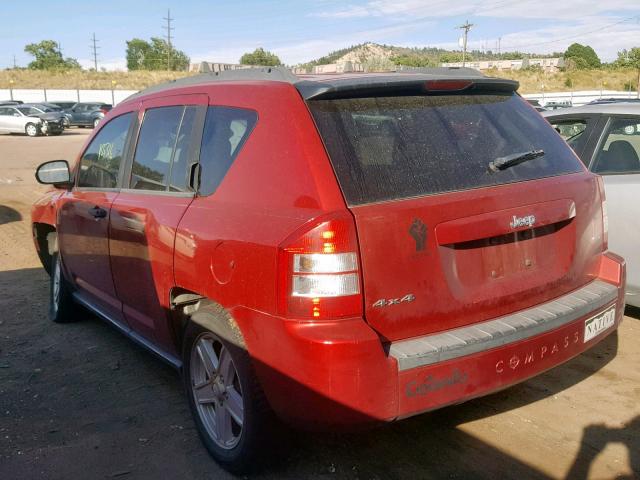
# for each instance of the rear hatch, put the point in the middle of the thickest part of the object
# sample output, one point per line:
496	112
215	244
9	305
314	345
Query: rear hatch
445	239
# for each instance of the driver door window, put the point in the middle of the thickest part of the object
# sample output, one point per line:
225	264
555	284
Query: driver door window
100	164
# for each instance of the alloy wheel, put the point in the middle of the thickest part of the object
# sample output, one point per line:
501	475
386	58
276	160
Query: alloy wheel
57	277
216	390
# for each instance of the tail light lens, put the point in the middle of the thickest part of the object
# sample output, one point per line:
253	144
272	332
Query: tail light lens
605	215
319	272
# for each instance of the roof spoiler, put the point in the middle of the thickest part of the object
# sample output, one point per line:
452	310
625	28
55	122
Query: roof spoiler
403	84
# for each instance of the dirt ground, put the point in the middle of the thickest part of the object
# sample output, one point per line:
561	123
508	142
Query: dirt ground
79	401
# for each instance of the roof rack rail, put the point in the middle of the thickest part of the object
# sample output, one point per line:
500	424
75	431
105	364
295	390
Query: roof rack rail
275	74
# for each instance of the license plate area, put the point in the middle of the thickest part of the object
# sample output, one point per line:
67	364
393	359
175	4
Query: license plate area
597	324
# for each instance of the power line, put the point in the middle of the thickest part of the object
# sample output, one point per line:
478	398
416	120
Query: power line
599	29
94	51
466	27
168	28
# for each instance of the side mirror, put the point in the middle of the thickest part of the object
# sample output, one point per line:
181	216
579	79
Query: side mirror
55	172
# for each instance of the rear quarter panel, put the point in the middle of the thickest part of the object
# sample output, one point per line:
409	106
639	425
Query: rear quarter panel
227	243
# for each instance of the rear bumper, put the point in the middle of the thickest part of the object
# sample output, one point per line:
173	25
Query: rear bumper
341	374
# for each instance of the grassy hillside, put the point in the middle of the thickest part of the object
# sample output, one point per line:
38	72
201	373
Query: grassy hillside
532	81
85	79
374	57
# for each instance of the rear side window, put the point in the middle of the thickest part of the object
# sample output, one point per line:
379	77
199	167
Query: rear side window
619	151
101	161
388	148
225	131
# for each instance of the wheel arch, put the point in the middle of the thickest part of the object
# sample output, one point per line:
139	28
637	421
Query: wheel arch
190	306
45	237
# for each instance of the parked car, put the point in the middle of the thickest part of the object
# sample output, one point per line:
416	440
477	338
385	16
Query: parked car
13	120
557	105
53	119
87	114
607	139
300	244
64	105
613	100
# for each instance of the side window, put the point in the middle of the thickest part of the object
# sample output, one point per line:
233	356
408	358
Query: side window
156	143
101	161
161	160
619	149
5	111
225	131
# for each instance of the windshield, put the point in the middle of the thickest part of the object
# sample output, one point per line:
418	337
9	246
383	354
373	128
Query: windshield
386	148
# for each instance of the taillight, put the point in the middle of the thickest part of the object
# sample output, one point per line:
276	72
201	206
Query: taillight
605	215
105	111
319	272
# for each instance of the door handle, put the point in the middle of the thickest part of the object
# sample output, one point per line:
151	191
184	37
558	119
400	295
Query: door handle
97	212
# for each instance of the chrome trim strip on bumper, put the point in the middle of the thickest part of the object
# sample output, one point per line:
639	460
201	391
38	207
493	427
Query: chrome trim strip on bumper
438	347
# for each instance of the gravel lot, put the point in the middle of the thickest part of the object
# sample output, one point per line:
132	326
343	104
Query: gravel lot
80	401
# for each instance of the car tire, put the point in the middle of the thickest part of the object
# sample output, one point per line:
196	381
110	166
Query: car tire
237	446
62	308
96	122
31	129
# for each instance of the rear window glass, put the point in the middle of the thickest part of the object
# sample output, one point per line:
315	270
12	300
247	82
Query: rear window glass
388	148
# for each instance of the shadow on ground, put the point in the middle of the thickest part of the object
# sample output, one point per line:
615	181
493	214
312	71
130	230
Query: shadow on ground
8	215
80	401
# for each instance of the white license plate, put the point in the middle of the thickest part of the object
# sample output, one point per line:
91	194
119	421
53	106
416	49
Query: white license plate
598	324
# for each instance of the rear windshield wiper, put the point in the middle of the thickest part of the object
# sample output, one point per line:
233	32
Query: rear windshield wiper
502	163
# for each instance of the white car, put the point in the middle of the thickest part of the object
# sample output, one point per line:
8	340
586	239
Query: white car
606	137
13	120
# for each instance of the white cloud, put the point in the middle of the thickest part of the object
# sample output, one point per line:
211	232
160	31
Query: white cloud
109	64
542	9
292	53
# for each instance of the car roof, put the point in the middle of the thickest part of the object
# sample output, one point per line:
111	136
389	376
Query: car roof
597	108
336	85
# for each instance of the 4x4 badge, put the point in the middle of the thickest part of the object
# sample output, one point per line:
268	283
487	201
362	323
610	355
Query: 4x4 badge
418	230
386	302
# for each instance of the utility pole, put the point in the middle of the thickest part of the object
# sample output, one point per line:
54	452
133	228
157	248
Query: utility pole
466	27
94	51
15	65
499	40
168	37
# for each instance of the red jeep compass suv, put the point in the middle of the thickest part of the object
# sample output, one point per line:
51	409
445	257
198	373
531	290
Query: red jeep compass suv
341	249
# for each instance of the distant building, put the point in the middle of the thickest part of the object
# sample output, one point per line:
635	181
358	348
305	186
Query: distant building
340	67
547	64
204	67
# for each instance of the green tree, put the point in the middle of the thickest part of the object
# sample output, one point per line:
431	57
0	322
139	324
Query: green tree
413	60
260	57
581	57
451	57
630	59
137	51
155	55
49	57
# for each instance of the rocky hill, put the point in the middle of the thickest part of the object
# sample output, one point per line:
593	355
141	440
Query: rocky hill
384	55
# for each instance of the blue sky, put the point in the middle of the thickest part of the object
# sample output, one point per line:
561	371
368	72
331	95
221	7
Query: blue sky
302	30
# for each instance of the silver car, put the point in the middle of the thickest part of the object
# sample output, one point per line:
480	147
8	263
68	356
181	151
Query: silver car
13	120
607	139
